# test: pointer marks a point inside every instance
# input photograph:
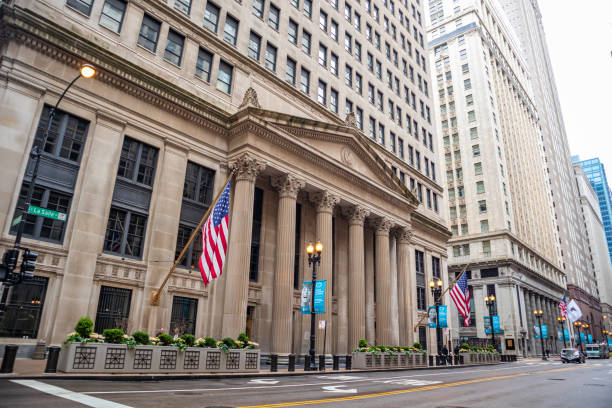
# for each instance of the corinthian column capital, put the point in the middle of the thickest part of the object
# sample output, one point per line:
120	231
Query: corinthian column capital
383	226
287	185
355	214
324	201
404	234
247	167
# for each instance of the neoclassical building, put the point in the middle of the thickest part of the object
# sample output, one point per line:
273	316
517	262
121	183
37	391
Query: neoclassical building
136	155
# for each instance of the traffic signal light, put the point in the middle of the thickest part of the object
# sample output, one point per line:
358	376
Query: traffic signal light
9	262
28	263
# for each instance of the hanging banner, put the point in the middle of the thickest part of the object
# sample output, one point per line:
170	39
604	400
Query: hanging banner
431	317
319	296
536	329
566	334
442	316
306	297
590	337
496	324
559	335
582	338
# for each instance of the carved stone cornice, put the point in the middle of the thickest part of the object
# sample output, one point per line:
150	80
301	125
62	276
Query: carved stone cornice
404	235
246	167
287	185
356	214
383	225
324	201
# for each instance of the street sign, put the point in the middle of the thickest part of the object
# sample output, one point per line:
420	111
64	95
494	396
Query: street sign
16	221
322	324
43	212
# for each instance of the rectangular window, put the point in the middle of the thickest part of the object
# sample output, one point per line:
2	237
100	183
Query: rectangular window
258	8
254	45
333	32
348	43
473	133
358	51
358	83
323	55
480	188
359	118
381	134
306	42
292	31
113	308
270	57
211	16
23	308
348	77
419	258
290	71
333	64
224	77
183	5
467	84
323	20
112	14
305	80
482	206
471	116
149	33
230	32
348	105
174	47
274	17
308	8
478	168
333	99
256	235
184	315
372	128
475	150
322	93
484	226
203	64
84	6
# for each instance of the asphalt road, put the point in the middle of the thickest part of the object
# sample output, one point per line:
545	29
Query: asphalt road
521	384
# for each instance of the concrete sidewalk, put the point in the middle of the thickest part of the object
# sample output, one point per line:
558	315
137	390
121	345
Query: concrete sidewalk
26	368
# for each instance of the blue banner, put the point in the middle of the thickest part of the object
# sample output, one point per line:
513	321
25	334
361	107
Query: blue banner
582	338
559	335
496	325
590	337
306	297
319	296
442	317
537	331
609	342
431	317
566	334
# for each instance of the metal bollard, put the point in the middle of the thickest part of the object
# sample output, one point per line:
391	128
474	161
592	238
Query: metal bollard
307	362
348	362
322	362
431	361
461	362
10	352
291	366
52	359
336	363
274	362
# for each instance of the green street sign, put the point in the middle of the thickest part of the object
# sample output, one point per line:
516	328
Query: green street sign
43	212
16	221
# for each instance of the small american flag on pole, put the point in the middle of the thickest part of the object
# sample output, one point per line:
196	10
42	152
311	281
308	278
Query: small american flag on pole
563	307
460	293
214	238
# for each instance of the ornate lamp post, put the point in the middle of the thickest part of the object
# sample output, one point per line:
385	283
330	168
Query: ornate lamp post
585	326
538	314
314	259
436	292
561	321
490	302
577	325
605	334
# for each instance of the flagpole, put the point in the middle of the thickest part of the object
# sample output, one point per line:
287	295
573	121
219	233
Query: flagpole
442	295
156	293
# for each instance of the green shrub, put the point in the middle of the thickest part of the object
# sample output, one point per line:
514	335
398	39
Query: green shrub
362	343
210	342
165	339
113	336
84	327
417	345
230	343
141	337
189	339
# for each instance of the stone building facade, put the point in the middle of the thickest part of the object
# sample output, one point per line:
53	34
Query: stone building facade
137	153
500	205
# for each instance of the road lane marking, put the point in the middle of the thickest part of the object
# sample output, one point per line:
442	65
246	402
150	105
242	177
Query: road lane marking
263	381
399	392
436	374
409	382
336	388
70	395
339	377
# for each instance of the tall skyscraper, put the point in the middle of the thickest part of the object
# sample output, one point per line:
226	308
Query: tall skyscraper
500	203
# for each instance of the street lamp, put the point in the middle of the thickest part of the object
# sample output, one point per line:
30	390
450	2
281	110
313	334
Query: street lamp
314	259
561	321
436	292
86	71
585	326
490	302
538	314
577	325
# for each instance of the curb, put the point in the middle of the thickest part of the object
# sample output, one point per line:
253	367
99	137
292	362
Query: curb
162	377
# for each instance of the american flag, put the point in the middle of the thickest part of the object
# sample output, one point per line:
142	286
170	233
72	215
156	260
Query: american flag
214	238
563	307
460	293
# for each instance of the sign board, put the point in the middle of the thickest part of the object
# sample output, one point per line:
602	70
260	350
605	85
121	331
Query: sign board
536	329
322	324
590	338
496	325
16	221
443	316
431	317
306	296
43	212
510	344
319	296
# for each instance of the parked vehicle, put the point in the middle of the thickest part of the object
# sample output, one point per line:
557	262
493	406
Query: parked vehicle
597	351
572	355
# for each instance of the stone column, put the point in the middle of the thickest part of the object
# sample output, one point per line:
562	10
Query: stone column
394	289
288	187
532	321
356	282
325	203
384	327
369	287
246	169
404	284
538	306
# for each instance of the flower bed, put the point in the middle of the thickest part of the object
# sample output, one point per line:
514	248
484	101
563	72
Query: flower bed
367	357
479	355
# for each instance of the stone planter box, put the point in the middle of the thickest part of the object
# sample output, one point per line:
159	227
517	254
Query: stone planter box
480	358
118	359
365	360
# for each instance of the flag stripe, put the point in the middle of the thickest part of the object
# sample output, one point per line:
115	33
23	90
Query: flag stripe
461	296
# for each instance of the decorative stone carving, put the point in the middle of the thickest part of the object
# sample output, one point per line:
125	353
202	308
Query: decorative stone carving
351	120
249	100
383	225
404	235
287	185
324	201
247	167
346	156
356	214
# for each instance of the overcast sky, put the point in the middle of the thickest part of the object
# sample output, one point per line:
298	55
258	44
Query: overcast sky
579	36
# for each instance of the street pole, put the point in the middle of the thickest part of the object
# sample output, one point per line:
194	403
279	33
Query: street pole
538	315
313	260
490	301
436	292
579	340
561	320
